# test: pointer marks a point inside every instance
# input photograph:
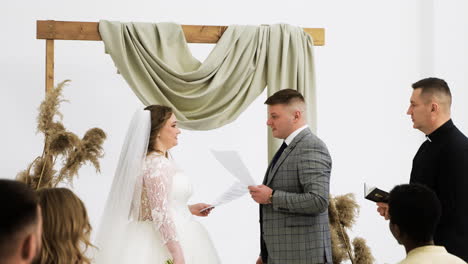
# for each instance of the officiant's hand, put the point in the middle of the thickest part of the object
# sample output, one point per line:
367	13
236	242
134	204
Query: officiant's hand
196	208
260	193
382	208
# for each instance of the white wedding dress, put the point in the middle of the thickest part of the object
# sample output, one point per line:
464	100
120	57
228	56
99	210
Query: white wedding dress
147	207
164	216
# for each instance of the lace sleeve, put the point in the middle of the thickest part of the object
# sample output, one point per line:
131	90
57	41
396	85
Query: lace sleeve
157	178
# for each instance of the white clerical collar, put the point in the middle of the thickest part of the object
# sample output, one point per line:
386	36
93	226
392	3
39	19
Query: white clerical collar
290	138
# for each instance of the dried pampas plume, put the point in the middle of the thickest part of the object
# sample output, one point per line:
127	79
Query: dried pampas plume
60	144
347	209
50	108
343	211
339	252
362	252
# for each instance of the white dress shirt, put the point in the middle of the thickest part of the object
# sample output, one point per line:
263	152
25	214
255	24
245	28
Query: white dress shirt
291	136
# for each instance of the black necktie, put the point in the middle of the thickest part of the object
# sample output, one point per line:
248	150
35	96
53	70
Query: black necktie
278	154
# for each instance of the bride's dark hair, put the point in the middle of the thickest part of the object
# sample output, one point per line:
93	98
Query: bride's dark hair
159	116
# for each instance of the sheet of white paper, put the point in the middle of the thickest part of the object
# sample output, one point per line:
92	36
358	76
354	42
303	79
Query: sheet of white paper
234	164
237	190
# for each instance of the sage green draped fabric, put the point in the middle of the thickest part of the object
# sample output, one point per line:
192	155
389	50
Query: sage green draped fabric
156	62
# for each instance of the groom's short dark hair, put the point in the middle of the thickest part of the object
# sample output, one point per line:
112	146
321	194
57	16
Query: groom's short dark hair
285	96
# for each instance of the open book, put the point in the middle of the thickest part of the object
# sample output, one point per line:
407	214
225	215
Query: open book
375	194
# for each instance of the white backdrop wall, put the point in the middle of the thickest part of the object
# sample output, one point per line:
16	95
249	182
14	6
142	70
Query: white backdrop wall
374	51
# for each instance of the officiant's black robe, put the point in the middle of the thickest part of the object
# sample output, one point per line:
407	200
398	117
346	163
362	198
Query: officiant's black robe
441	163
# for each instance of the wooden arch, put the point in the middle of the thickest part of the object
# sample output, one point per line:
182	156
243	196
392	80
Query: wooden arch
51	30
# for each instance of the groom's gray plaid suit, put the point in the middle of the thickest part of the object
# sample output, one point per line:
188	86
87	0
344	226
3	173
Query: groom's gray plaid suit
295	225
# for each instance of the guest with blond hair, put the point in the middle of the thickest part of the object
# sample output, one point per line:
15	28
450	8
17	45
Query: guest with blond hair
66	228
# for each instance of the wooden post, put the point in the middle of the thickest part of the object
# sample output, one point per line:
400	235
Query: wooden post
49	65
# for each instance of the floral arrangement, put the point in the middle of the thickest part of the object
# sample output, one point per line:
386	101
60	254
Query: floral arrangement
60	144
342	212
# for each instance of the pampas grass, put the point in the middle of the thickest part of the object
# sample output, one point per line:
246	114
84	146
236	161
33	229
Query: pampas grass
339	252
61	145
343	211
50	108
362	252
347	209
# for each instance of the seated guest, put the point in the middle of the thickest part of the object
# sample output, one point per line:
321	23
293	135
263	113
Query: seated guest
20	223
414	212
66	235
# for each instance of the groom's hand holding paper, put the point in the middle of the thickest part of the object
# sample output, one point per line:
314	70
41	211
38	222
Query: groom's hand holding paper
261	193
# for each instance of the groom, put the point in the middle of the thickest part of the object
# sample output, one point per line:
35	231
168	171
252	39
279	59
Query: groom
294	196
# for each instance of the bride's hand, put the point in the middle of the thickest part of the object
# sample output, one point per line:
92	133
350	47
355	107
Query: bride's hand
176	252
177	261
196	208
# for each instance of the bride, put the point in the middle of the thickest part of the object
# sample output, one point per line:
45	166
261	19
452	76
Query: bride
147	219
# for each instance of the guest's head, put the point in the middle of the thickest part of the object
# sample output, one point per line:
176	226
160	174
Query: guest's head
430	104
286	112
164	129
20	223
67	230
414	214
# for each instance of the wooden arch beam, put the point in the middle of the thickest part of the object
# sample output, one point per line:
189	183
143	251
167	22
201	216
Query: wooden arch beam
51	30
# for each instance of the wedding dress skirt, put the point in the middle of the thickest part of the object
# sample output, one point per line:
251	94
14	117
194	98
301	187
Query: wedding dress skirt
143	244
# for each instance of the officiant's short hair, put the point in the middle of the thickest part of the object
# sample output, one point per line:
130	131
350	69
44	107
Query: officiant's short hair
285	96
416	210
434	87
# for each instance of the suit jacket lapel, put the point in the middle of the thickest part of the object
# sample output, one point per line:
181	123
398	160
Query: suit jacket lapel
284	155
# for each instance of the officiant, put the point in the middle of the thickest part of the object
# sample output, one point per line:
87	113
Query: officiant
441	162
